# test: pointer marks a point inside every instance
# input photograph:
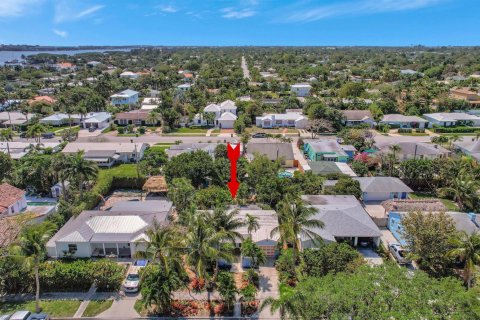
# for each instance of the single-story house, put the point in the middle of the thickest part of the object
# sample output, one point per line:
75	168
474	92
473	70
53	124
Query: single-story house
415	150
448	119
401	121
357	117
106	233
466	222
124	97
267	220
382	188
275	120
301	89
469	146
328	167
129	75
12	200
177	149
274	151
92	119
328	150
18	149
11	119
465	94
136	117
345	220
106	154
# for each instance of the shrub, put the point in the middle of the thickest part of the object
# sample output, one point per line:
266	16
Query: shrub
331	258
249	292
251	277
121	130
141	130
420	130
226	288
460	129
286	266
405	130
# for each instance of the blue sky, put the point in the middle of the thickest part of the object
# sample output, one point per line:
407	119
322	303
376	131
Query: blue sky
240	22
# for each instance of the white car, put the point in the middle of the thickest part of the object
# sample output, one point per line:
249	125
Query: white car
132	283
400	254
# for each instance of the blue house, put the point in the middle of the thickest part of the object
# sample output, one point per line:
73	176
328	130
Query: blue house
125	97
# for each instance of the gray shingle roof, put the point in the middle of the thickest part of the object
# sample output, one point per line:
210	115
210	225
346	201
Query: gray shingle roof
382	184
272	150
343	216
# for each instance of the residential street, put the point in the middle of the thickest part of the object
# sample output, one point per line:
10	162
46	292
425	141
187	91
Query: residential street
246	72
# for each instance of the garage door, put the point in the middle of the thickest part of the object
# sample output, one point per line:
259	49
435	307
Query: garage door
269	250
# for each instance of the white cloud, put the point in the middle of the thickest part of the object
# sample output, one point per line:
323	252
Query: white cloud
60	33
361	7
168	9
66	11
16	8
229	13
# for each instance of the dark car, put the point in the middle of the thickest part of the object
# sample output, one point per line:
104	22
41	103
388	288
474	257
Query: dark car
48	135
23	134
92	129
259	135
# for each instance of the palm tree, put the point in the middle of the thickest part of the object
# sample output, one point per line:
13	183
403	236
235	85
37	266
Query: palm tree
252	224
6	135
467	248
80	170
394	148
244	139
226	223
163	246
295	221
454	138
31	249
153	117
464	191
203	243
35	131
285	304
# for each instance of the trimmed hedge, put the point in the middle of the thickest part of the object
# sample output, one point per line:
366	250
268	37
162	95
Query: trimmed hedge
405	130
58	276
457	130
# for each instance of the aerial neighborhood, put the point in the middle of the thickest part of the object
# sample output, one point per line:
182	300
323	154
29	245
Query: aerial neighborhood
200	182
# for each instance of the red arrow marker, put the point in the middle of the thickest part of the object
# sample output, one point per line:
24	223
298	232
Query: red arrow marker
233	154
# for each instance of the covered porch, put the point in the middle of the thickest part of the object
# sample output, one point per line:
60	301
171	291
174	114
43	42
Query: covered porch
111	250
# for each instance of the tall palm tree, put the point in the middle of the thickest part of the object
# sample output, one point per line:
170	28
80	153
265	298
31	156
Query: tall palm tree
244	139
394	148
464	190
7	136
467	248
296	221
164	246
80	170
203	243
252	224
153	117
284	304
35	131
31	249
225	222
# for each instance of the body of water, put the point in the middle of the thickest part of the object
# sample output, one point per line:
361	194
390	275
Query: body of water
17	55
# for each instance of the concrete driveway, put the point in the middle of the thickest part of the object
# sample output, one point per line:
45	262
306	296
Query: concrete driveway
371	256
122	307
268	288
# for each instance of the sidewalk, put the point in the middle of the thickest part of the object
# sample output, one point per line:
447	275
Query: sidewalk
85	302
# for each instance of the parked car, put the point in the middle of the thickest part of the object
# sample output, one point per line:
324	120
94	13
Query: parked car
224	264
20	315
48	135
23	134
400	254
5	317
92	129
259	135
39	316
132	282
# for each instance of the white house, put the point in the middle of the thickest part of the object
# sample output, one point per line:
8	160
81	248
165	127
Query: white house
150	103
223	115
382	188
183	87
447	119
357	117
301	89
116	233
18	149
91	119
129	75
125	97
404	121
289	119
12	199
106	154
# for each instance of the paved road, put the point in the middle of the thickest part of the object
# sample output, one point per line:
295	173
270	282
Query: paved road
246	72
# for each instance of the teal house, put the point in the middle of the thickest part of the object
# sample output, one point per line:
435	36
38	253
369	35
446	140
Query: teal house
328	150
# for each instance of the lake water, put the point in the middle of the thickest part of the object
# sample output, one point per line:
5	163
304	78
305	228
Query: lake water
17	55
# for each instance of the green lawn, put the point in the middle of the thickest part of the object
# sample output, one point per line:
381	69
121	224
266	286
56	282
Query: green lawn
189	130
160	147
451	205
55	308
95	307
60	128
272	131
127	170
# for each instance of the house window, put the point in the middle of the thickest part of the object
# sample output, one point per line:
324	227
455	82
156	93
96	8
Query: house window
72	248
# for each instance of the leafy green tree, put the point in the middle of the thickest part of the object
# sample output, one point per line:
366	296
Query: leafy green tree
35	131
330	258
251	250
226	288
351	90
428	238
347	186
296	221
152	161
220	151
181	192
252	223
31	248
212	197
467	249
464	190
6	166
196	166
285	303
360	168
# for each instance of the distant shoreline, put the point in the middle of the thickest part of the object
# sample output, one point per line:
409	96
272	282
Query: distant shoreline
64	48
